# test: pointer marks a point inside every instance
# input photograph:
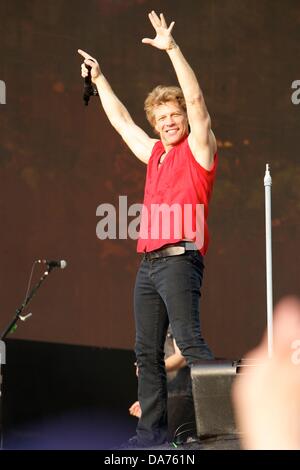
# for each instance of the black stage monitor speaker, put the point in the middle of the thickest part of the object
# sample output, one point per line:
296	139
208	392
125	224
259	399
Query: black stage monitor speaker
212	381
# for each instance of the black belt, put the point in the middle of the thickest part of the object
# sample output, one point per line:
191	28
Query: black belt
170	250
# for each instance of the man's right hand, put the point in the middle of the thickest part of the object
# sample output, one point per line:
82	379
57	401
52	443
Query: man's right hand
136	139
89	60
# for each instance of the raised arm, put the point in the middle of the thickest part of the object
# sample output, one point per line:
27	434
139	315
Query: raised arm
201	139
136	139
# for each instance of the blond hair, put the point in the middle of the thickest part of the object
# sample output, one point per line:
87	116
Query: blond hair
161	95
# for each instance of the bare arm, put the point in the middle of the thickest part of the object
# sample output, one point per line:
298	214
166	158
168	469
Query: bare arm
176	361
136	139
201	139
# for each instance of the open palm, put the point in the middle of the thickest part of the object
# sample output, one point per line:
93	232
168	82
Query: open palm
163	38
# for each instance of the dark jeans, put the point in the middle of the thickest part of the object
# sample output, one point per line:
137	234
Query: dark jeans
167	290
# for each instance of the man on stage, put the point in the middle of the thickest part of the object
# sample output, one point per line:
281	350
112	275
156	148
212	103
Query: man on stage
181	168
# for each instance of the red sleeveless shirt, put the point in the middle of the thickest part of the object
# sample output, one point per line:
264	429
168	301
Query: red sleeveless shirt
176	199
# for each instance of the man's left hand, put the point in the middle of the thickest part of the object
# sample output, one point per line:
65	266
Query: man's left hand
163	39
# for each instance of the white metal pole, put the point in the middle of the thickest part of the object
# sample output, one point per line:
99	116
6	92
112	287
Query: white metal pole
268	184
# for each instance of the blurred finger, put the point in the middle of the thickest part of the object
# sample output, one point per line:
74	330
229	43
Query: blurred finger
163	21
171	26
147	41
90	62
155	18
286	325
152	21
85	54
84	70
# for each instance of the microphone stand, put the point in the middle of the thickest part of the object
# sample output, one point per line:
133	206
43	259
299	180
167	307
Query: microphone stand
269	278
11	328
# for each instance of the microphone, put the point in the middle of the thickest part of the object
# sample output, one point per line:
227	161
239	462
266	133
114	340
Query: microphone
88	88
62	264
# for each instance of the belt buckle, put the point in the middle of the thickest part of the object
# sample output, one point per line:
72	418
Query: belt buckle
177	250
172	251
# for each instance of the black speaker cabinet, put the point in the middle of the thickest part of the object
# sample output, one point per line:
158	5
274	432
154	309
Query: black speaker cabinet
212	381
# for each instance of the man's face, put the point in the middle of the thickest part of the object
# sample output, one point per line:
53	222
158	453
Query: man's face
171	123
